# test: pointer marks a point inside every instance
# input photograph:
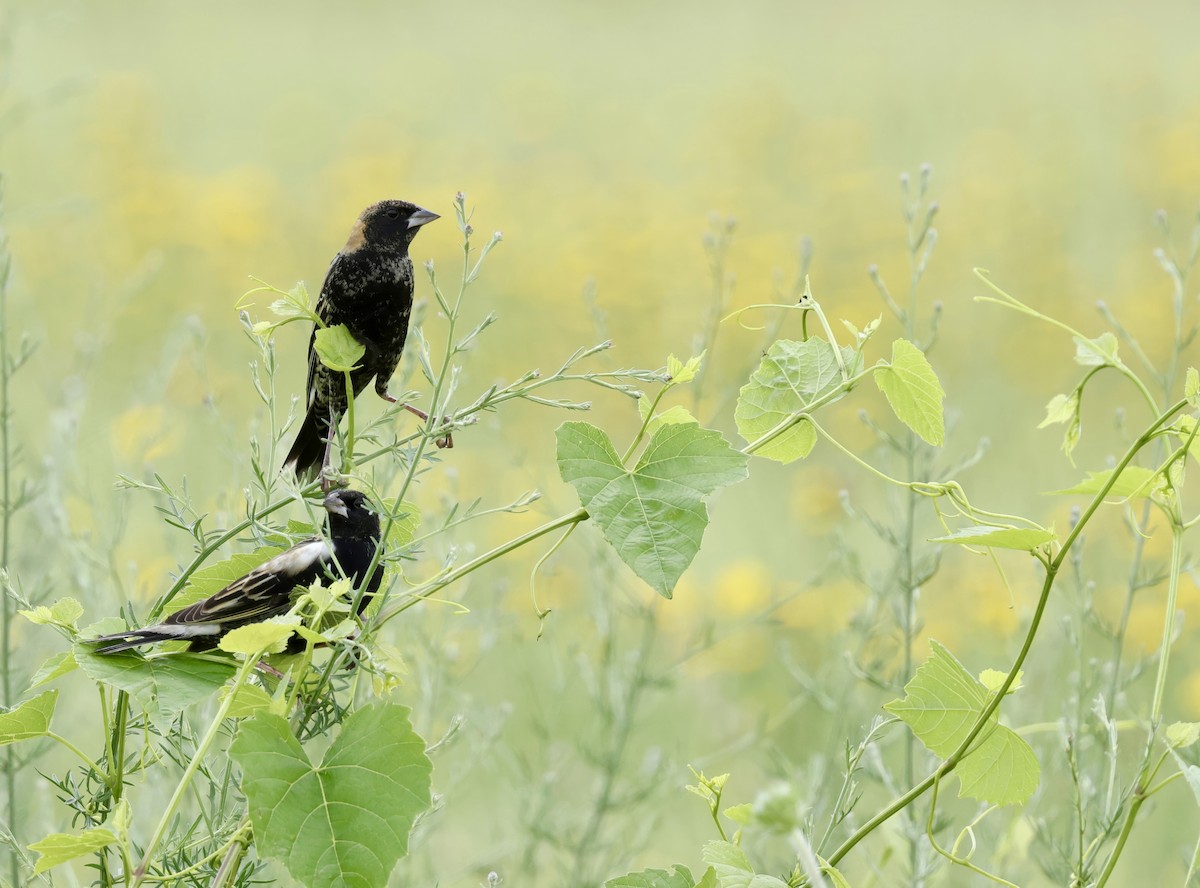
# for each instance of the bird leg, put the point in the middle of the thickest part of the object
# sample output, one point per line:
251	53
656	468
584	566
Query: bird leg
443	441
326	481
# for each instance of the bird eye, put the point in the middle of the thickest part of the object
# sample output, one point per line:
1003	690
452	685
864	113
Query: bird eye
393	214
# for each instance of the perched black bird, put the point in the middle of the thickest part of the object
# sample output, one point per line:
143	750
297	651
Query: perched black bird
267	590
369	288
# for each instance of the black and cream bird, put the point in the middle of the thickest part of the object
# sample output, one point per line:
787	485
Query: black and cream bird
369	288
270	589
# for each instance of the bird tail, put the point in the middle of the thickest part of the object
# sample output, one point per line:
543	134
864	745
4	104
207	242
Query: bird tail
308	450
128	640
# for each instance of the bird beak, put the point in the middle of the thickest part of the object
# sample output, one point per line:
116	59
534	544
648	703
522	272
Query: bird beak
421	217
335	506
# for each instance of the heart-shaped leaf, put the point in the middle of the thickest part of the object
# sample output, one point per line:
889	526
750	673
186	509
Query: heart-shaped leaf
345	822
941	703
162	685
654	515
788	379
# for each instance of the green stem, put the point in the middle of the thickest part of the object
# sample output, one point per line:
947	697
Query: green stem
439	582
801	415
348	447
1160	681
233	857
58	738
908	485
637	439
214	728
983	718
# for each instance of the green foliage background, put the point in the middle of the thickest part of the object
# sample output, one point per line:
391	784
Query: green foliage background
154	155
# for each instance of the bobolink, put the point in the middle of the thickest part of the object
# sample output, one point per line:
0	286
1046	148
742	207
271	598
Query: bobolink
269	589
369	288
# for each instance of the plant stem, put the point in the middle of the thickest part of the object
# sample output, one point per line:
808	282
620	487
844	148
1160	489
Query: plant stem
214	728
439	582
1160	681
982	719
348	450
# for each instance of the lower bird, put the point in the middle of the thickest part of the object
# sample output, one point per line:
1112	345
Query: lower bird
270	589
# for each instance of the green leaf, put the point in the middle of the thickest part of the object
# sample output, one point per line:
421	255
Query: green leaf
1096	352
55	667
163	685
61	847
267	637
670	416
741	814
993	680
63	612
836	879
1133	482
733	868
653	515
1182	734
989	536
337	348
788	379
295	304
347	821
914	392
681	373
29	719
215	577
942	701
1191	387
1062	408
247	700
1001	770
404	527
679	877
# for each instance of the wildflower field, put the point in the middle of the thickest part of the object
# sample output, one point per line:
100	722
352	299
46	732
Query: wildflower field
822	393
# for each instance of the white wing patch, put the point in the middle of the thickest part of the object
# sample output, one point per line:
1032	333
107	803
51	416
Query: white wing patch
182	630
297	559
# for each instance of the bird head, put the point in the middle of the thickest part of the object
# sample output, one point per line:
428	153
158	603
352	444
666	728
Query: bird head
351	512
388	224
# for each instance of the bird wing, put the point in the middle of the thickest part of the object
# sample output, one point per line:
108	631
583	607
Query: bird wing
262	593
325	311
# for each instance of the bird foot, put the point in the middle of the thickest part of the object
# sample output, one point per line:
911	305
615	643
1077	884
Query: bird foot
444	442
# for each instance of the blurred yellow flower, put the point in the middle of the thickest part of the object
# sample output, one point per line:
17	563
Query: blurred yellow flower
143	433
